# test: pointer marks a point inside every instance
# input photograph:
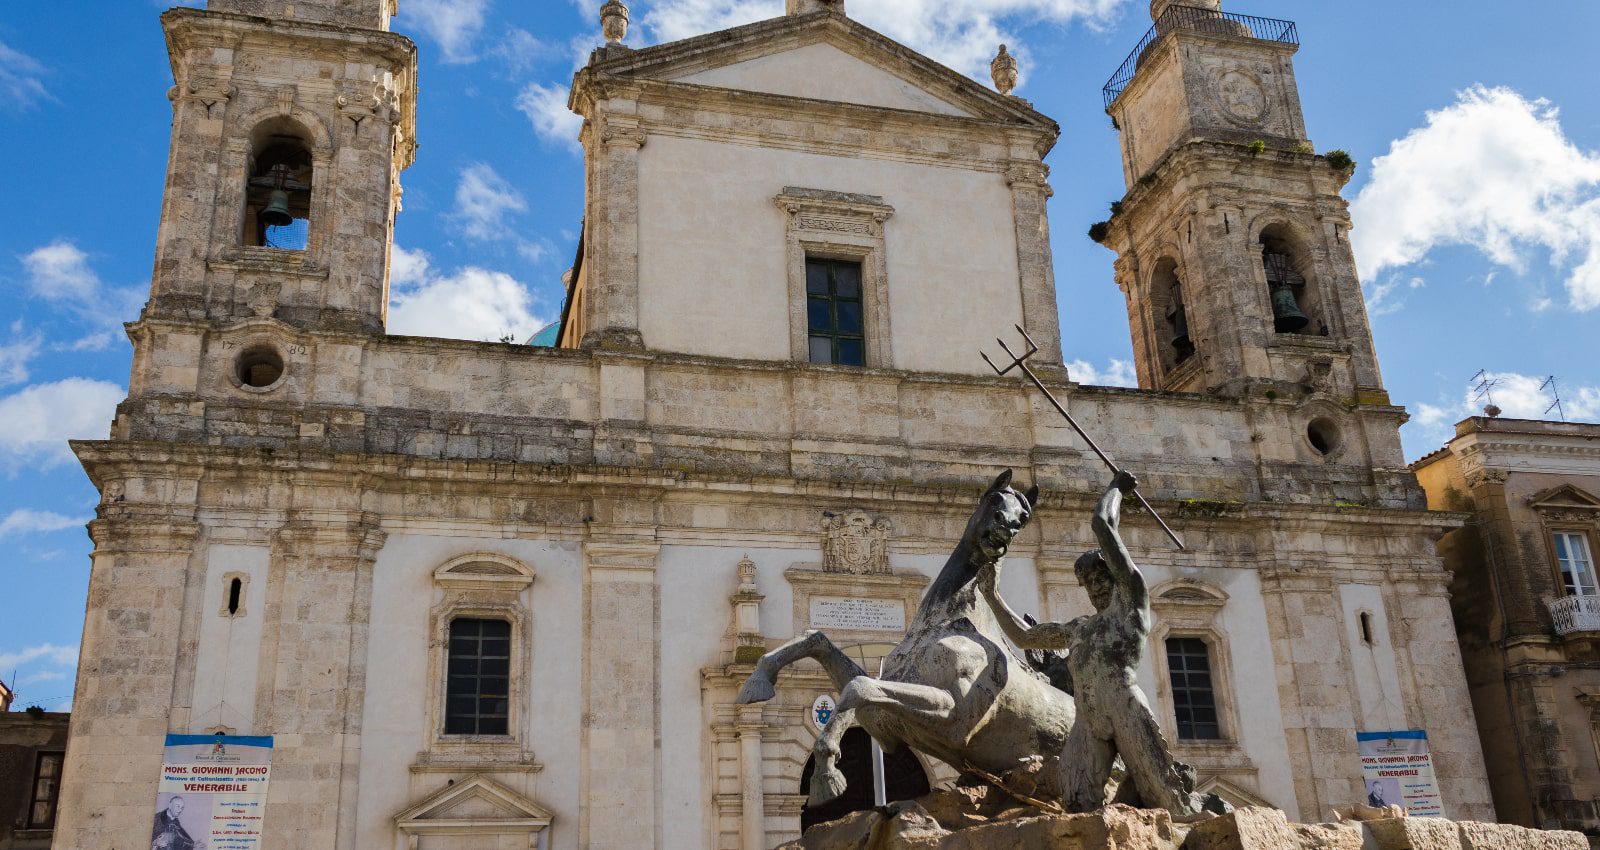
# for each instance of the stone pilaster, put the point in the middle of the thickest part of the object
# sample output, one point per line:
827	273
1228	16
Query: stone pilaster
120	717
752	799
313	674
612	301
621	733
1318	711
1030	191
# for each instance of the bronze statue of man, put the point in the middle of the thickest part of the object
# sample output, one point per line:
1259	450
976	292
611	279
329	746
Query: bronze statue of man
1104	651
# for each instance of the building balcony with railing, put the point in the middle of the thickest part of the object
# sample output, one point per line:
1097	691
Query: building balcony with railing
1575	614
1197	19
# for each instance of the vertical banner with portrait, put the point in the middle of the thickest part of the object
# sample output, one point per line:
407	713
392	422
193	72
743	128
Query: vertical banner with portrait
213	793
1397	769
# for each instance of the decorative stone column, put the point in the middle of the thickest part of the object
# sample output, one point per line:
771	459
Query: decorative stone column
1030	190
752	797
612	302
621	759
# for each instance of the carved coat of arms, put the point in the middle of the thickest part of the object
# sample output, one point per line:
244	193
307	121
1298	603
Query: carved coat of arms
855	543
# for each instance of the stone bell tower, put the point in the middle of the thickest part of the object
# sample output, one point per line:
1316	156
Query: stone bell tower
1232	241
292	120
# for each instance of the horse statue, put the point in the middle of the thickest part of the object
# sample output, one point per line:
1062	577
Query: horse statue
953	689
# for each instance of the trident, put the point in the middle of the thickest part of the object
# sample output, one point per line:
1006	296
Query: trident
1022	363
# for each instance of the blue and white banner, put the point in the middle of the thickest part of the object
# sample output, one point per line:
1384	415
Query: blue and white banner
1397	769
213	793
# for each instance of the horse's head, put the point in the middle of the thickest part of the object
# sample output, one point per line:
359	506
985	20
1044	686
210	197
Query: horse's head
1001	513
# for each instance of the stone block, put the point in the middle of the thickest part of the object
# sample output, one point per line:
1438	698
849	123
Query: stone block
1496	836
1119	827
1244	829
1329	836
1413	834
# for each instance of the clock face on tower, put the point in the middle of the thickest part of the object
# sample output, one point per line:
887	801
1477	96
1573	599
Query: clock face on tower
1241	97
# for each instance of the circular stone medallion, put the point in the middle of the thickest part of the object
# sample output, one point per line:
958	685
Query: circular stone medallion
1241	97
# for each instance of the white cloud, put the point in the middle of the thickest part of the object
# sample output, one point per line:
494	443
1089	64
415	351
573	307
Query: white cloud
483	201
26	521
45	653
59	271
407	268
1494	171
1433	415
14	358
20	83
37	421
1117	373
453	24
1523	397
962	34
546	108
520	50
473	303
43	676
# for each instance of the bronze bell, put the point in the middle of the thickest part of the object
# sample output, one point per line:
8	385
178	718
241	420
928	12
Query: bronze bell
276	212
1178	317
1287	317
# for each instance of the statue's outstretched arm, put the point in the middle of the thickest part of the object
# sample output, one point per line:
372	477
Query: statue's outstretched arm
1107	523
1041	636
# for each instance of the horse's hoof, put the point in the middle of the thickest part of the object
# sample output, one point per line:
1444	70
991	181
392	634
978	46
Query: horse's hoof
827	785
757	688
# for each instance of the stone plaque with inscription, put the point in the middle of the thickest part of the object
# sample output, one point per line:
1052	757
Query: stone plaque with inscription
861	615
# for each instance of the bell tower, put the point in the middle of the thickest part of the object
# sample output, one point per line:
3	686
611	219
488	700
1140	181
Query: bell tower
292	120
1232	241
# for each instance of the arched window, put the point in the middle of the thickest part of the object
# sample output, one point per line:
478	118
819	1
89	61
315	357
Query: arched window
1172	315
1289	284
277	194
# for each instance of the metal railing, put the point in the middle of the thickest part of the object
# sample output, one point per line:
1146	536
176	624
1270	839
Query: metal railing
1195	19
1575	614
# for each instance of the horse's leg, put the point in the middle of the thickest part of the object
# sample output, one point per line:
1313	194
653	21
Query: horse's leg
921	702
827	782
816	645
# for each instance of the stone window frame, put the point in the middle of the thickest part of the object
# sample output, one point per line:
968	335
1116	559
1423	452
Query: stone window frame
480	585
1185	608
825	224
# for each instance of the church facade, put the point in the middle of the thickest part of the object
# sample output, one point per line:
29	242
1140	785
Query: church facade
490	595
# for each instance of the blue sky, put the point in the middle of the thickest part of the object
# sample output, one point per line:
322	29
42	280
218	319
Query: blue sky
1477	207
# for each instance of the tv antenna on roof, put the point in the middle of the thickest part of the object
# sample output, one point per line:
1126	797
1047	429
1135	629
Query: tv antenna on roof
1482	391
1555	392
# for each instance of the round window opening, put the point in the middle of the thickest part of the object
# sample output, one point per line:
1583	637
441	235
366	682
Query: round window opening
260	367
1324	435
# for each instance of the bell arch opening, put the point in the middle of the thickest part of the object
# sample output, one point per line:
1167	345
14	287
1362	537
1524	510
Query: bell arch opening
1290	284
1171	317
277	197
904	779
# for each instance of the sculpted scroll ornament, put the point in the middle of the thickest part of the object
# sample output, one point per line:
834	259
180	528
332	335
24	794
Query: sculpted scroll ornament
855	543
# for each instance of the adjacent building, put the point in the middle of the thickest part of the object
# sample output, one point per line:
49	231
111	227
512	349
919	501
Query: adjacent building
1527	606
498	595
32	751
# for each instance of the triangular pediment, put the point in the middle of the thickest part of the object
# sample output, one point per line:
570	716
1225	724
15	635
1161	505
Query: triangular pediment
1564	497
822	57
823	71
477	804
1237	797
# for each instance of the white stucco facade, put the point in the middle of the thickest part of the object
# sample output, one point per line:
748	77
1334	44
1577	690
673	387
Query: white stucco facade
676	487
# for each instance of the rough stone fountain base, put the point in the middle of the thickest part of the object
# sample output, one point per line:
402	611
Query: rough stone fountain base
979	816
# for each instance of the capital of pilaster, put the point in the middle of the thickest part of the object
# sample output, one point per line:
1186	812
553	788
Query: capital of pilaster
1029	175
623	136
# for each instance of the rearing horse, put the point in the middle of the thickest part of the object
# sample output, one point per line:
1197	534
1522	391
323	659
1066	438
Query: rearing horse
953	689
